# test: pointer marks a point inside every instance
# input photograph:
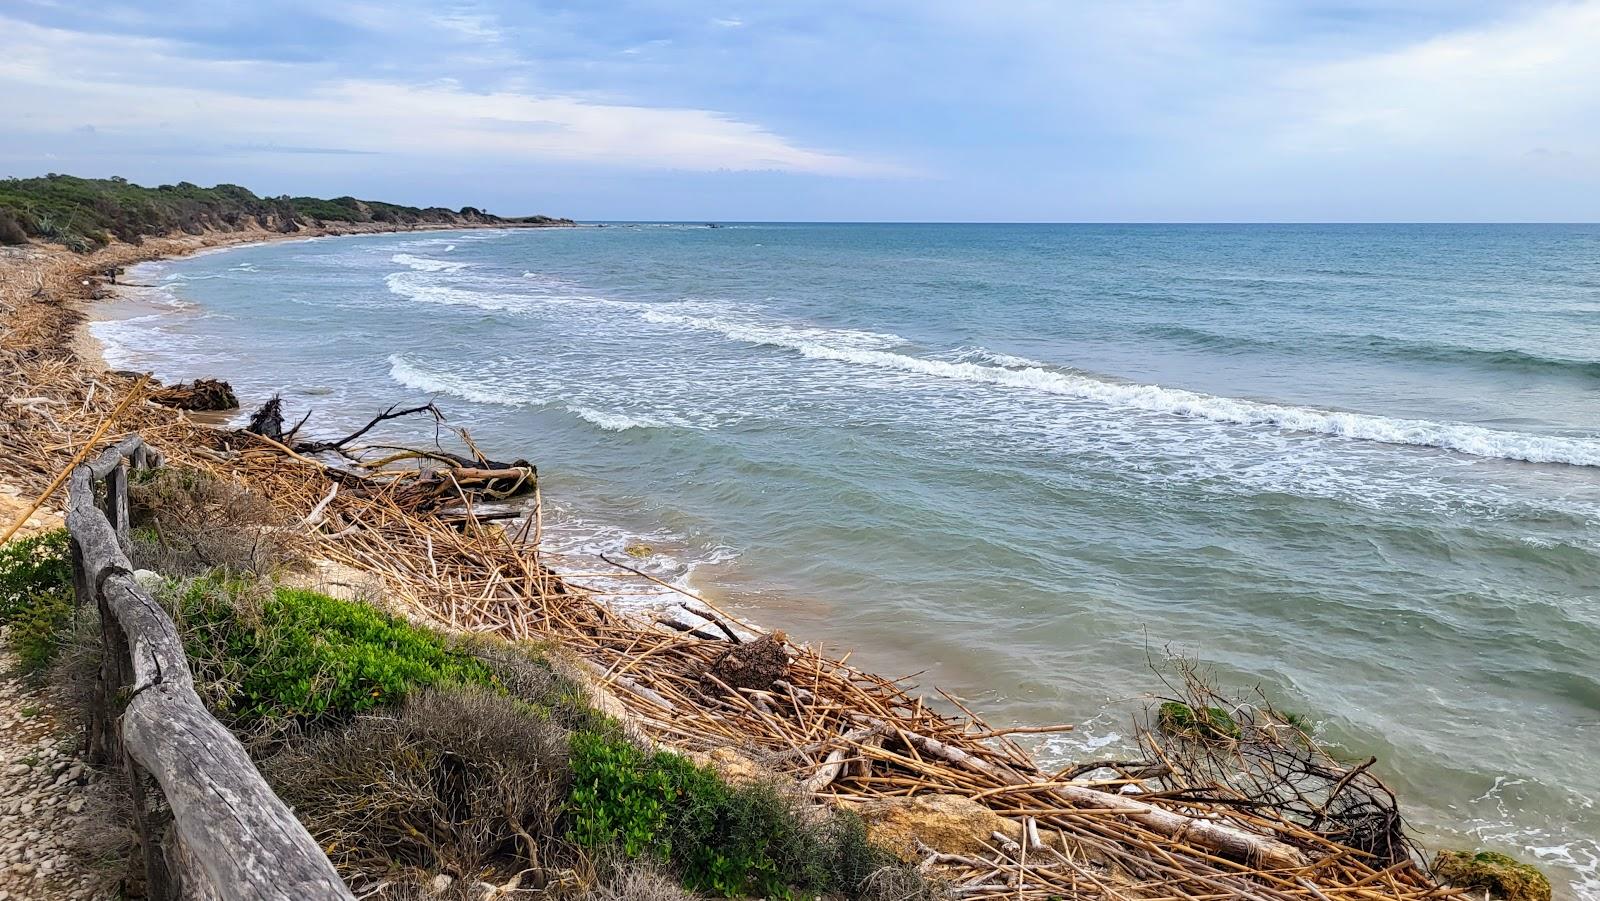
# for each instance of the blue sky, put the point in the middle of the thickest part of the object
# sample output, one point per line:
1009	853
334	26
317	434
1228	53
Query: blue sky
1006	110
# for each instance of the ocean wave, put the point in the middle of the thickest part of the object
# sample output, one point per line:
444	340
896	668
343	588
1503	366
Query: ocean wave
622	422
724	321
985	355
1458	437
426	264
416	286
437	382
881	350
1508	358
1396	349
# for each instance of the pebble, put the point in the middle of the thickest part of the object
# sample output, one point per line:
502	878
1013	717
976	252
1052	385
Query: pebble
46	782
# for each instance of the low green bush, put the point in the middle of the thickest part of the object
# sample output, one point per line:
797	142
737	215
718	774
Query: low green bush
36	596
289	654
721	839
29	567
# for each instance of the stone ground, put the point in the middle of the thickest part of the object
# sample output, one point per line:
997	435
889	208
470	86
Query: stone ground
44	785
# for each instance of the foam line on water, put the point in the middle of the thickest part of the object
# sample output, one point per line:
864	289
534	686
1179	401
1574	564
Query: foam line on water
427	264
434	382
1459	437
622	422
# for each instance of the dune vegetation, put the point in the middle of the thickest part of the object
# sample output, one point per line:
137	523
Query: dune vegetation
85	214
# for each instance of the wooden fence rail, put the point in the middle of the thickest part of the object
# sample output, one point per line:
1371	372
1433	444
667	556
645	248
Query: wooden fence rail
229	837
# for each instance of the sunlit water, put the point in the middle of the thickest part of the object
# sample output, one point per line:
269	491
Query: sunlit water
1356	465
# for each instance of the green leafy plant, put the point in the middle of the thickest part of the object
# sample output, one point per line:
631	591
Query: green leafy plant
721	839
36	596
287	653
29	567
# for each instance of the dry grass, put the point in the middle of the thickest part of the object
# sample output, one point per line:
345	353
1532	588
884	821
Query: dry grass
461	781
188	522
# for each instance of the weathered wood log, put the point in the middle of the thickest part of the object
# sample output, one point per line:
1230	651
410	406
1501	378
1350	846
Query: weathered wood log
1219	838
833	766
238	840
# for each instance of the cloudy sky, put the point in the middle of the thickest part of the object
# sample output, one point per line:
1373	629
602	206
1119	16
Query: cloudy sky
1008	110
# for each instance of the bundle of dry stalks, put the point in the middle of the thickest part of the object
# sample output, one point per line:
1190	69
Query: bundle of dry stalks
1228	816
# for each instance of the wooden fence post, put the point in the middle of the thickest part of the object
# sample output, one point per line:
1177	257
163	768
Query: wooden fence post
237	841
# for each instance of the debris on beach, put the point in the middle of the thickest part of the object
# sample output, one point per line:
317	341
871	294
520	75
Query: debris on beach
200	395
1248	807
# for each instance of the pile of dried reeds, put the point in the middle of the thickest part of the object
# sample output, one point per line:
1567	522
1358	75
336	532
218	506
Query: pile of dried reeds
1201	817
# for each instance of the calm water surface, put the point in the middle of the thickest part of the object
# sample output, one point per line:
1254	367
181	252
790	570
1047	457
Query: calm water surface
1358	466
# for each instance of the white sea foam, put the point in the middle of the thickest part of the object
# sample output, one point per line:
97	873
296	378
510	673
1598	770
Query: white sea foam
740	328
435	382
419	286
985	355
427	264
621	422
1460	437
880	351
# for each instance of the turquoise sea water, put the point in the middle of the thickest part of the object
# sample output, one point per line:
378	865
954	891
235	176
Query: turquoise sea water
1358	466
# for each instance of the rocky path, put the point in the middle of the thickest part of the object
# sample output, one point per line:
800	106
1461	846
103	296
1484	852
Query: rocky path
43	790
44	785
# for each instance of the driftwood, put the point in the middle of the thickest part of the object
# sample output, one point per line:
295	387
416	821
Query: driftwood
451	478
231	837
210	395
1218	838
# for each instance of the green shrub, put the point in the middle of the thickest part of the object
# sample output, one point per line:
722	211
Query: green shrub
39	631
86	213
36	596
262	653
29	567
721	839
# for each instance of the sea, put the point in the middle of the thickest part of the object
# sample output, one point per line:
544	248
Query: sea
1352	469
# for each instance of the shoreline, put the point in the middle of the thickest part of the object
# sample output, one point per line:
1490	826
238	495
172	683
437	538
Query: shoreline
82	287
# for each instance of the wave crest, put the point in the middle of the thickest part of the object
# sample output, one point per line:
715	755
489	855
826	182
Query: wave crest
427	264
1459	437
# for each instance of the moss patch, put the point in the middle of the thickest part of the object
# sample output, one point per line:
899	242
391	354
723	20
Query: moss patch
1502	876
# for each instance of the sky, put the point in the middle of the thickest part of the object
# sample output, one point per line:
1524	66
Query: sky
875	110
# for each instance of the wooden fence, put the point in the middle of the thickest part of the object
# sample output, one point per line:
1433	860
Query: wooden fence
229	836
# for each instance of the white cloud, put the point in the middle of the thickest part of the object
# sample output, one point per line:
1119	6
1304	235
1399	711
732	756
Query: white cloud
728	23
56	80
1526	85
